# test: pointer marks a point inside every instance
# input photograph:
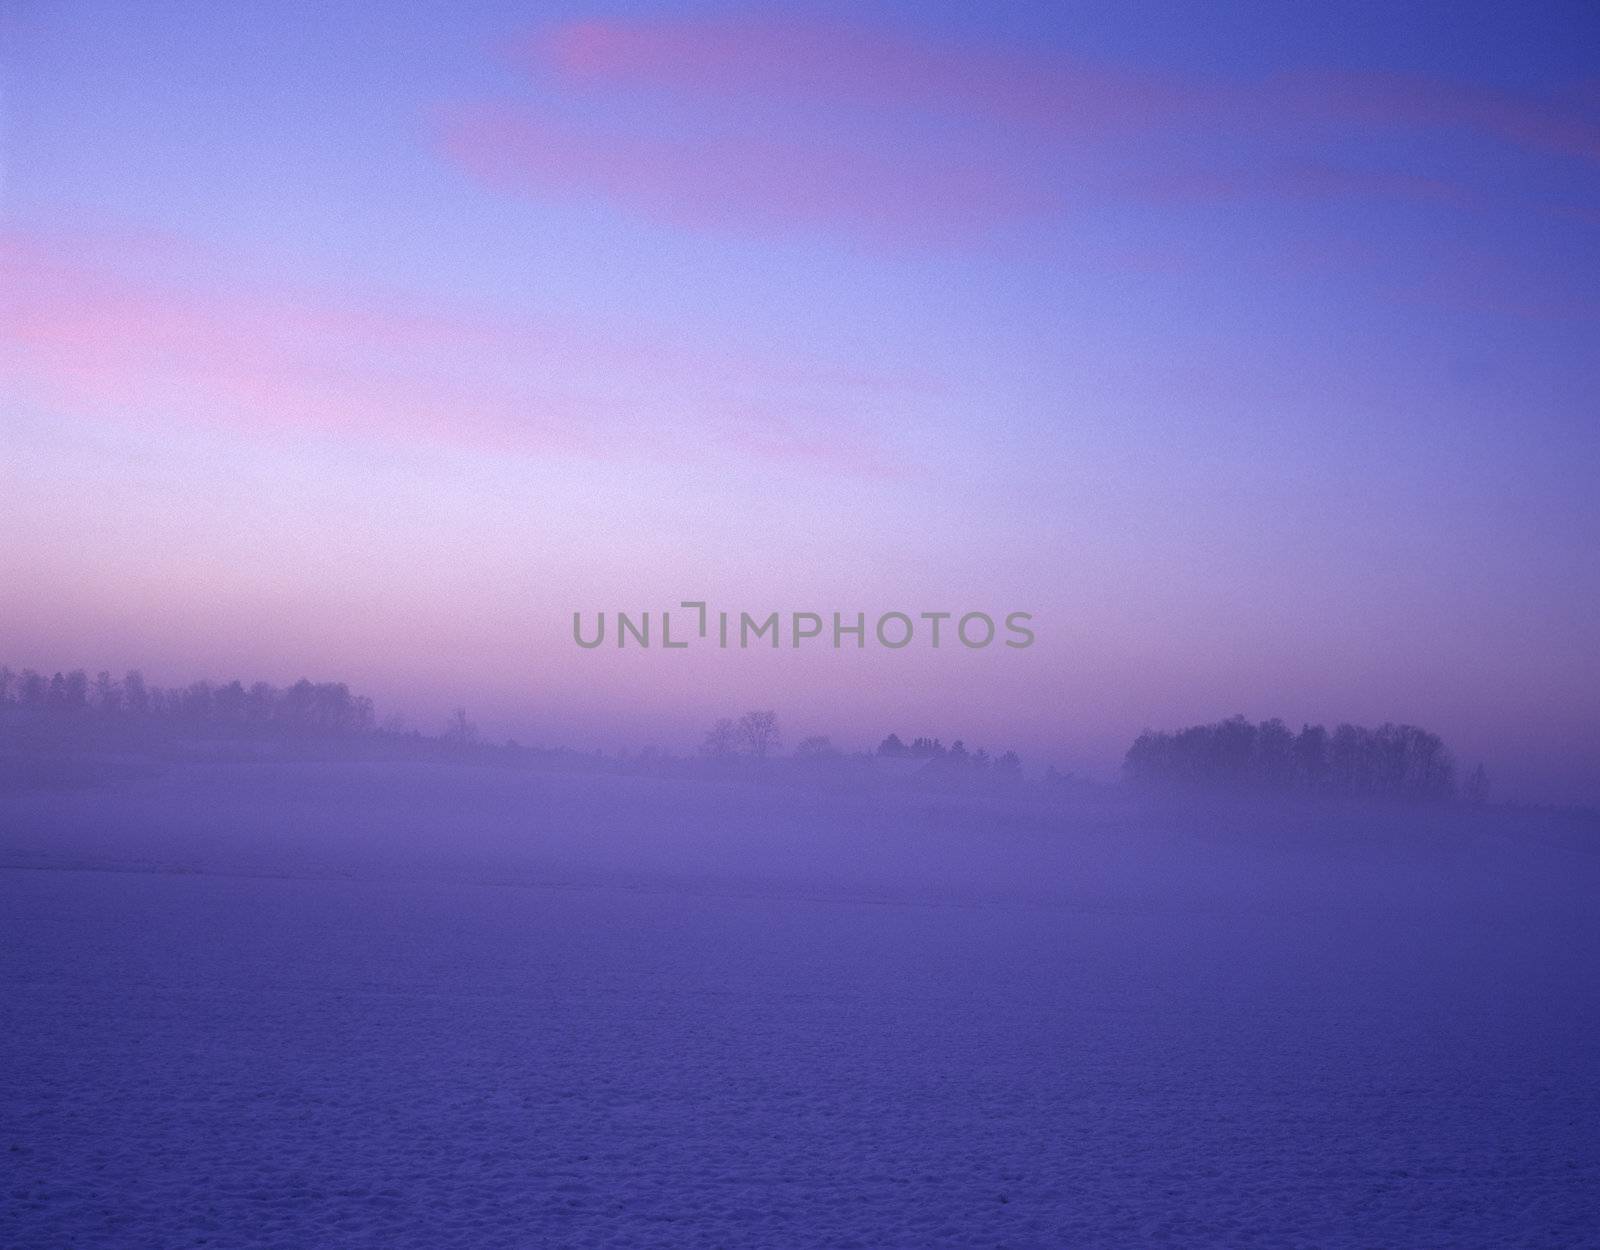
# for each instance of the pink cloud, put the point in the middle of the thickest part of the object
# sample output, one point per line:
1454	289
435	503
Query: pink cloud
1419	102
763	124
821	63
159	336
1331	182
752	181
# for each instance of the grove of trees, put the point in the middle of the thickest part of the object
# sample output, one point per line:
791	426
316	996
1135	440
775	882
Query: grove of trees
953	758
754	734
1396	761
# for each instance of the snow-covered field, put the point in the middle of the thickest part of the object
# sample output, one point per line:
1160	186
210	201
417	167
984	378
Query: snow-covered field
370	1006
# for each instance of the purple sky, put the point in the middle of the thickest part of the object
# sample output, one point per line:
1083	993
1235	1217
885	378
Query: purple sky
1252	350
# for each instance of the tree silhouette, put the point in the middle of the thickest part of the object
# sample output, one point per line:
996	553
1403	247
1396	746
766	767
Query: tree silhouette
815	748
758	733
1311	755
459	730
1396	761
721	740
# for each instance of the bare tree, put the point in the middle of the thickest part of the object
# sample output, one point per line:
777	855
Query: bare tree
107	694
758	731
721	740
815	748
135	694
460	730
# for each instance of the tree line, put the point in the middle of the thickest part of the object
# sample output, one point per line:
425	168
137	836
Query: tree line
755	735
954	757
1397	761
1394	761
307	706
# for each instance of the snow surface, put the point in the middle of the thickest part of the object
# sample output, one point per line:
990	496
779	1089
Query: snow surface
367	1006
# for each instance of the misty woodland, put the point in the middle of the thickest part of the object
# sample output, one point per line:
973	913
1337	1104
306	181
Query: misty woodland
1392	761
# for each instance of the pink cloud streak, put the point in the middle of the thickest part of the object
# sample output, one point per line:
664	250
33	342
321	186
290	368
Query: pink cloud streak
823	63
753	181
1396	101
149	338
777	125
